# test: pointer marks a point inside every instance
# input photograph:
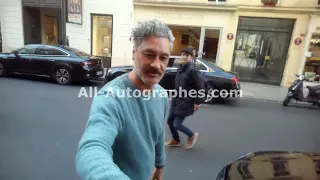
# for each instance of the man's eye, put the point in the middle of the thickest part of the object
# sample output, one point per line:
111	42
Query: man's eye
148	55
164	58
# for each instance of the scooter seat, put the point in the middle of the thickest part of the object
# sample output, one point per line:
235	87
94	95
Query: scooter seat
314	88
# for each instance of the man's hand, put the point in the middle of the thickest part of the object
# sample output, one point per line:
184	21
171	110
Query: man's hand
157	174
196	107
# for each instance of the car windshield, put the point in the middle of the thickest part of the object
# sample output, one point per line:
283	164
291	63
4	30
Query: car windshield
76	51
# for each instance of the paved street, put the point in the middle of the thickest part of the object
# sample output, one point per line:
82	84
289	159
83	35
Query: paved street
41	123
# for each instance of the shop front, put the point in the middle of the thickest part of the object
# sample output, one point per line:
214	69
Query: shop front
273	46
269	47
311	66
102	28
196	26
261	49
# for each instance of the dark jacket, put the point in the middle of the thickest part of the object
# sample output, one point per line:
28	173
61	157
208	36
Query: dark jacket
187	78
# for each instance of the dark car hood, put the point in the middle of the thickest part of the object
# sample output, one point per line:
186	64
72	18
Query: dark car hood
273	166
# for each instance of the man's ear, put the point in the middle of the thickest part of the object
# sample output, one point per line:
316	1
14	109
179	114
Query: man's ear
133	53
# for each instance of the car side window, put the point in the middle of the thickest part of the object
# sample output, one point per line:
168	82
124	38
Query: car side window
170	63
45	51
177	62
200	66
26	50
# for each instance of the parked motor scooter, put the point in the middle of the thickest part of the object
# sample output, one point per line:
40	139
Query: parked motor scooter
295	92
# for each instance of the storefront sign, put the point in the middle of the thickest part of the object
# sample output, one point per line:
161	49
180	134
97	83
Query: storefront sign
297	41
74	11
179	16
230	36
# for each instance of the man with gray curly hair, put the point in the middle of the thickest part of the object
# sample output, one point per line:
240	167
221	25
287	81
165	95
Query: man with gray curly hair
124	137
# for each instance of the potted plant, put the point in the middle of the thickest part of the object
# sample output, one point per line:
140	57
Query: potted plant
269	2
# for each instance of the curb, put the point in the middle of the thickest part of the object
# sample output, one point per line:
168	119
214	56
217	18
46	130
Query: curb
263	99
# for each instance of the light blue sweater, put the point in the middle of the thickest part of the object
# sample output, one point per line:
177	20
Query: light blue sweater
124	137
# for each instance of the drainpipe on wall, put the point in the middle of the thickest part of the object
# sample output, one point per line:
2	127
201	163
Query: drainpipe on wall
63	21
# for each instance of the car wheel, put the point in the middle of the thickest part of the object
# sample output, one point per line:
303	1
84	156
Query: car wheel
2	71
286	101
62	75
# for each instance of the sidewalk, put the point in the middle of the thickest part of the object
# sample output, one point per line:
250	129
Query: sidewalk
267	92
263	91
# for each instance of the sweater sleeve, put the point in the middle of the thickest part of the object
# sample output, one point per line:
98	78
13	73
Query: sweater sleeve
94	157
160	146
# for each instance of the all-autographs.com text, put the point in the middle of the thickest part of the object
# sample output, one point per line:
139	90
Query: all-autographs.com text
91	92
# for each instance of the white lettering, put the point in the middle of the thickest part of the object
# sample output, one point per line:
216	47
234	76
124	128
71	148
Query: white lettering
83	92
182	91
136	93
193	93
223	93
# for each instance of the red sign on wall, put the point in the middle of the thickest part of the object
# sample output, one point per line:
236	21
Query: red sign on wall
230	36
297	41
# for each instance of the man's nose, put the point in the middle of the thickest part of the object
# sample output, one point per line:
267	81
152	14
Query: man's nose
156	63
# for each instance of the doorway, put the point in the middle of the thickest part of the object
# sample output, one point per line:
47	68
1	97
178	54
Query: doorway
32	25
210	45
261	49
204	41
51	28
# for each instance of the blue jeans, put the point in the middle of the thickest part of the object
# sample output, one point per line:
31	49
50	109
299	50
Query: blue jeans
175	124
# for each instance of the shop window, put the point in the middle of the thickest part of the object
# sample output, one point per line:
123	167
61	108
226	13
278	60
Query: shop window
102	26
312	66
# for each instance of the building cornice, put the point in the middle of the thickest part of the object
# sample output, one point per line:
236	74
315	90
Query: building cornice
186	5
225	7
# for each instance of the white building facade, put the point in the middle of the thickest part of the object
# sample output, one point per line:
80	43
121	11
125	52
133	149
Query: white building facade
11	24
105	31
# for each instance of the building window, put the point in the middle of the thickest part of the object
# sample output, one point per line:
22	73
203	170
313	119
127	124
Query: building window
101	35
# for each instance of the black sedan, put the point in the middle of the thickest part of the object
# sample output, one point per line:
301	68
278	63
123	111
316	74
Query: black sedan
62	63
220	83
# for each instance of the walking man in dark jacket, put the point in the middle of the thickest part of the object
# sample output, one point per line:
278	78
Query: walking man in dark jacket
187	79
